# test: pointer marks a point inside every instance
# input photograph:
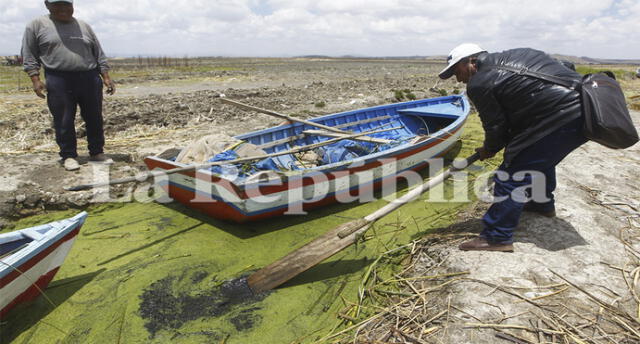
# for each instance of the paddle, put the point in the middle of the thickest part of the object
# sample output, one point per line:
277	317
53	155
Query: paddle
333	134
283	116
335	240
147	175
303	121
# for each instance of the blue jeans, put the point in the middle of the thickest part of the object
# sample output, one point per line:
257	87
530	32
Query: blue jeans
503	216
65	92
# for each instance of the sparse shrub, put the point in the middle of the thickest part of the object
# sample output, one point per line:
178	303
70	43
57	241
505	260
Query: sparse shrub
619	73
456	91
398	94
442	92
403	94
320	104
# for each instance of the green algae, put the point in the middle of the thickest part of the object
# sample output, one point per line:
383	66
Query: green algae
152	273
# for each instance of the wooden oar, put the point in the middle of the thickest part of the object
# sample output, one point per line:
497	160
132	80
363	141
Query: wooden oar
335	240
143	177
303	121
332	134
283	116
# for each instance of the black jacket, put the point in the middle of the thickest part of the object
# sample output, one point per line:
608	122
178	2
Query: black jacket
518	110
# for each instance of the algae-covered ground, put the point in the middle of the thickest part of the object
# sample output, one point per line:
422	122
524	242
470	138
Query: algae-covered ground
147	272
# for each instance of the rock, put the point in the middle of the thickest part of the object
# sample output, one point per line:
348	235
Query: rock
79	200
32	200
20	198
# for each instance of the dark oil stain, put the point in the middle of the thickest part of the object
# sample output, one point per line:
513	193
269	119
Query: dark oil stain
163	307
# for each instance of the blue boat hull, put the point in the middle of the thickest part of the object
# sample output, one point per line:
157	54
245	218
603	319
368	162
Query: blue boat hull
433	126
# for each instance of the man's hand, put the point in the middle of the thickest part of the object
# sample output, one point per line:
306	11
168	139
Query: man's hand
111	87
38	86
485	154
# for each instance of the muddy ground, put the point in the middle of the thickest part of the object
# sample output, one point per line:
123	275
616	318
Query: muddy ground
592	243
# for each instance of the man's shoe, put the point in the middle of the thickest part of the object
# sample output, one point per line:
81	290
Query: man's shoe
528	207
71	164
100	158
481	244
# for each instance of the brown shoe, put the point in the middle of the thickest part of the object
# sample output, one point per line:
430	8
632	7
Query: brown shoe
546	214
543	213
528	208
481	244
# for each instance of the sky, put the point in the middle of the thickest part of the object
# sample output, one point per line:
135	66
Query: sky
284	28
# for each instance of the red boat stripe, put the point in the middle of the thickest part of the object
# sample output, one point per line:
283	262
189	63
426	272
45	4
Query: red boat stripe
267	190
34	260
32	292
222	210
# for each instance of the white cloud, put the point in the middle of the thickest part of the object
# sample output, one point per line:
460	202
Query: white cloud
597	28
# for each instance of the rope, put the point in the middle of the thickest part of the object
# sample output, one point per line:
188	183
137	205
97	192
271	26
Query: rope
53	305
32	283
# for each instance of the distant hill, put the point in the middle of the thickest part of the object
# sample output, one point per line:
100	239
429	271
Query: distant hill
591	60
442	58
314	57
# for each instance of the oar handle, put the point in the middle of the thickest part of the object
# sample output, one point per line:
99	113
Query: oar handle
80	187
468	161
138	178
281	115
417	191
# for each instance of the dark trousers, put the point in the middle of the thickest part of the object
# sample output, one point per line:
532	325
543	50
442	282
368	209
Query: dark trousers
65	92
511	181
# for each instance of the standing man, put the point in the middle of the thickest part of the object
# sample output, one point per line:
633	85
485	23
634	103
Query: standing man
75	68
537	123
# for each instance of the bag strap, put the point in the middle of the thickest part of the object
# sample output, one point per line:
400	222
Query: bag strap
570	84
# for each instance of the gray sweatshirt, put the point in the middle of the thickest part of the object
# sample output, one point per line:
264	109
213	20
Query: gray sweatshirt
69	47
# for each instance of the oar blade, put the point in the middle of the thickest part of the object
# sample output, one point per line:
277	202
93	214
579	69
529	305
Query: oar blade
307	256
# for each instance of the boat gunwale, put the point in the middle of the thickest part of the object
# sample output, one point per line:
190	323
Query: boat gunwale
33	248
437	100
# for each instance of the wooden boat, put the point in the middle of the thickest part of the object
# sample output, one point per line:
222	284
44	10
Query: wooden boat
421	130
30	258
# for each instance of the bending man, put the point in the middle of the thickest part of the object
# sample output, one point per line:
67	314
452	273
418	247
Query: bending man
537	123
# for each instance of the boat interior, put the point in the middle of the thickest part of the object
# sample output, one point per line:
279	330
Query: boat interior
14	241
386	126
14	244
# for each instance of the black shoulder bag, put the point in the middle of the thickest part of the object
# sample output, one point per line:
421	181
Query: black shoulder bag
606	116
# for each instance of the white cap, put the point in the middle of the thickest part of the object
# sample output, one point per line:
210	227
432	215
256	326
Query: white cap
458	53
